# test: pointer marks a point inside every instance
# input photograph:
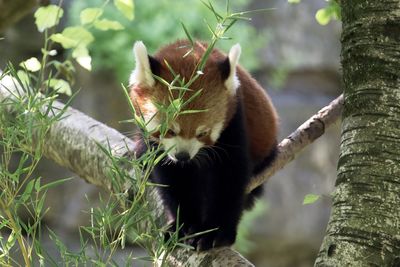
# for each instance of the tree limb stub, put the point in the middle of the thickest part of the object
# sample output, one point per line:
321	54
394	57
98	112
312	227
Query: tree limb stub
73	142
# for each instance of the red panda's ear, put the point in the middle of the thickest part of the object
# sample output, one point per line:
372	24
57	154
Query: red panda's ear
145	65
231	79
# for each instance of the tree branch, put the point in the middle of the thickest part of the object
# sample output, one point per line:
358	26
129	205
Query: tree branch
73	142
307	133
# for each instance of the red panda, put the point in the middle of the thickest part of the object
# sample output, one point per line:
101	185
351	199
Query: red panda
213	154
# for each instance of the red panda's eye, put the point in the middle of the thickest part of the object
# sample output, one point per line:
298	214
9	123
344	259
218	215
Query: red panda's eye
202	134
170	133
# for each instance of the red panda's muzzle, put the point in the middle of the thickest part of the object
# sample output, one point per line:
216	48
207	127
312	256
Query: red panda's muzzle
182	156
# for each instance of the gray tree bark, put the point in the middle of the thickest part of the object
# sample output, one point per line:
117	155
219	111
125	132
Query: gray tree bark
364	228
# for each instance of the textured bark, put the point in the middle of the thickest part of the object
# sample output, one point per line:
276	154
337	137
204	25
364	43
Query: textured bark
13	10
364	228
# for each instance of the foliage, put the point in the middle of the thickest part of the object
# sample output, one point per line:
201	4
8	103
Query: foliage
326	14
158	23
23	135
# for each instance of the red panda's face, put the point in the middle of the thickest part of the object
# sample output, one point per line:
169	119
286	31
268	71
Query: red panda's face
188	133
183	145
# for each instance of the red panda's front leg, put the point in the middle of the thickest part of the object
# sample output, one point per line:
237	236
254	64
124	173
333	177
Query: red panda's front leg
181	195
226	185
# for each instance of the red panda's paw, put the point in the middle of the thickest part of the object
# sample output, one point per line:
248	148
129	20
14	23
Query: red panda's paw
225	238
216	239
173	232
205	242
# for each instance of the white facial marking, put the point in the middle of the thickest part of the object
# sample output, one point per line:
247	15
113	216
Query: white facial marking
232	82
142	73
178	144
216	131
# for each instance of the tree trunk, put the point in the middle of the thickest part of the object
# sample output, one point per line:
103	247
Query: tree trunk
364	228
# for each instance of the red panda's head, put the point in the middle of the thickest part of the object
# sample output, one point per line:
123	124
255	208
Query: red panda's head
189	132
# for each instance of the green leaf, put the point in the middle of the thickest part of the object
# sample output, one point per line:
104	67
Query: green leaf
73	36
37	184
31	64
126	7
187	34
89	15
106	24
81	54
23	77
323	16
60	86
28	190
10	242
310	198
335	9
55	183
48	16
294	1
192	111
39	206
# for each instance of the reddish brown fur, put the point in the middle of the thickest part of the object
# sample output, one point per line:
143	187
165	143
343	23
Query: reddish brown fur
260	113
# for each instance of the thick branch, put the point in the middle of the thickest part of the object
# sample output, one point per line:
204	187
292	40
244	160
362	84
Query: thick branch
73	142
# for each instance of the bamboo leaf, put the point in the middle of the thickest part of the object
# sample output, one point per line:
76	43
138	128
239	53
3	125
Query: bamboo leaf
27	192
55	183
187	34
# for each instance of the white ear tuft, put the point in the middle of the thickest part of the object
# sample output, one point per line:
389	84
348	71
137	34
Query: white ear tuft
232	82
142	73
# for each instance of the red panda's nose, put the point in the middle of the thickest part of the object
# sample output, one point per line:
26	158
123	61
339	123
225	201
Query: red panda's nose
182	156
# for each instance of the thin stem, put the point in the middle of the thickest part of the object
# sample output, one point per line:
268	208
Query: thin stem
17	230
